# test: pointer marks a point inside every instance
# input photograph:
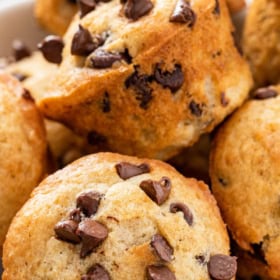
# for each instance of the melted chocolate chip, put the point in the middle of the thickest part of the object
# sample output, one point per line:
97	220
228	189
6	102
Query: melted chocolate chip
27	95
106	105
158	191
162	248
95	138
88	202
140	83
102	59
96	272
20	51
264	93
83	43
127	170
52	47
217	9
86	6
224	100
159	272
183	13
176	207
134	9
75	215
258	252
172	80
195	109
66	231
92	234
21	77
222	267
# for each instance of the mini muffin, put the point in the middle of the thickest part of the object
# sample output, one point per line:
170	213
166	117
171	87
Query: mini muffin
35	74
138	77
55	15
23	149
108	216
261	41
245	171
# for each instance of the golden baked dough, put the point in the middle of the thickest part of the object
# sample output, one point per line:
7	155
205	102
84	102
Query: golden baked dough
108	191
261	41
23	149
183	79
55	15
245	170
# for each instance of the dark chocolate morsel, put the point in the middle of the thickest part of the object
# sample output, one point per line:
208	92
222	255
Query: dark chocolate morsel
102	59
20	50
88	202
127	170
183	13
258	252
92	234
222	267
86	6
96	272
75	215
162	247
172	80
264	93
159	272
94	138
134	9
83	43
176	207
66	231
195	109
52	47
158	191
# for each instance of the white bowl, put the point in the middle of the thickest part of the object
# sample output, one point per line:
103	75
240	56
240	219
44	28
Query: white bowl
17	22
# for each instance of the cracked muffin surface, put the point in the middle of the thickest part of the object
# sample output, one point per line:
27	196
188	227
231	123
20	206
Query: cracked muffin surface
141	79
244	170
122	218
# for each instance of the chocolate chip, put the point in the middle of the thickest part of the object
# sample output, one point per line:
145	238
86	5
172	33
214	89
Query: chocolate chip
96	272
126	56
172	80
195	109
140	83
20	51
106	105
217	9
258	252
102	59
88	202
224	100
75	215
159	272
176	207
162	248
95	138
183	13
127	170
92	234
52	47
158	191
264	93
86	6
21	77
72	1
83	43
222	267
27	95
134	9
66	231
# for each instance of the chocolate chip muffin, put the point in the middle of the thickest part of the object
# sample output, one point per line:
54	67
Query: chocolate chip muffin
261	40
35	73
244	170
23	149
140	79
55	15
108	216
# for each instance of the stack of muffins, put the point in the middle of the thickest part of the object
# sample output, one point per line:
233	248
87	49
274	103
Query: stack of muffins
118	87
